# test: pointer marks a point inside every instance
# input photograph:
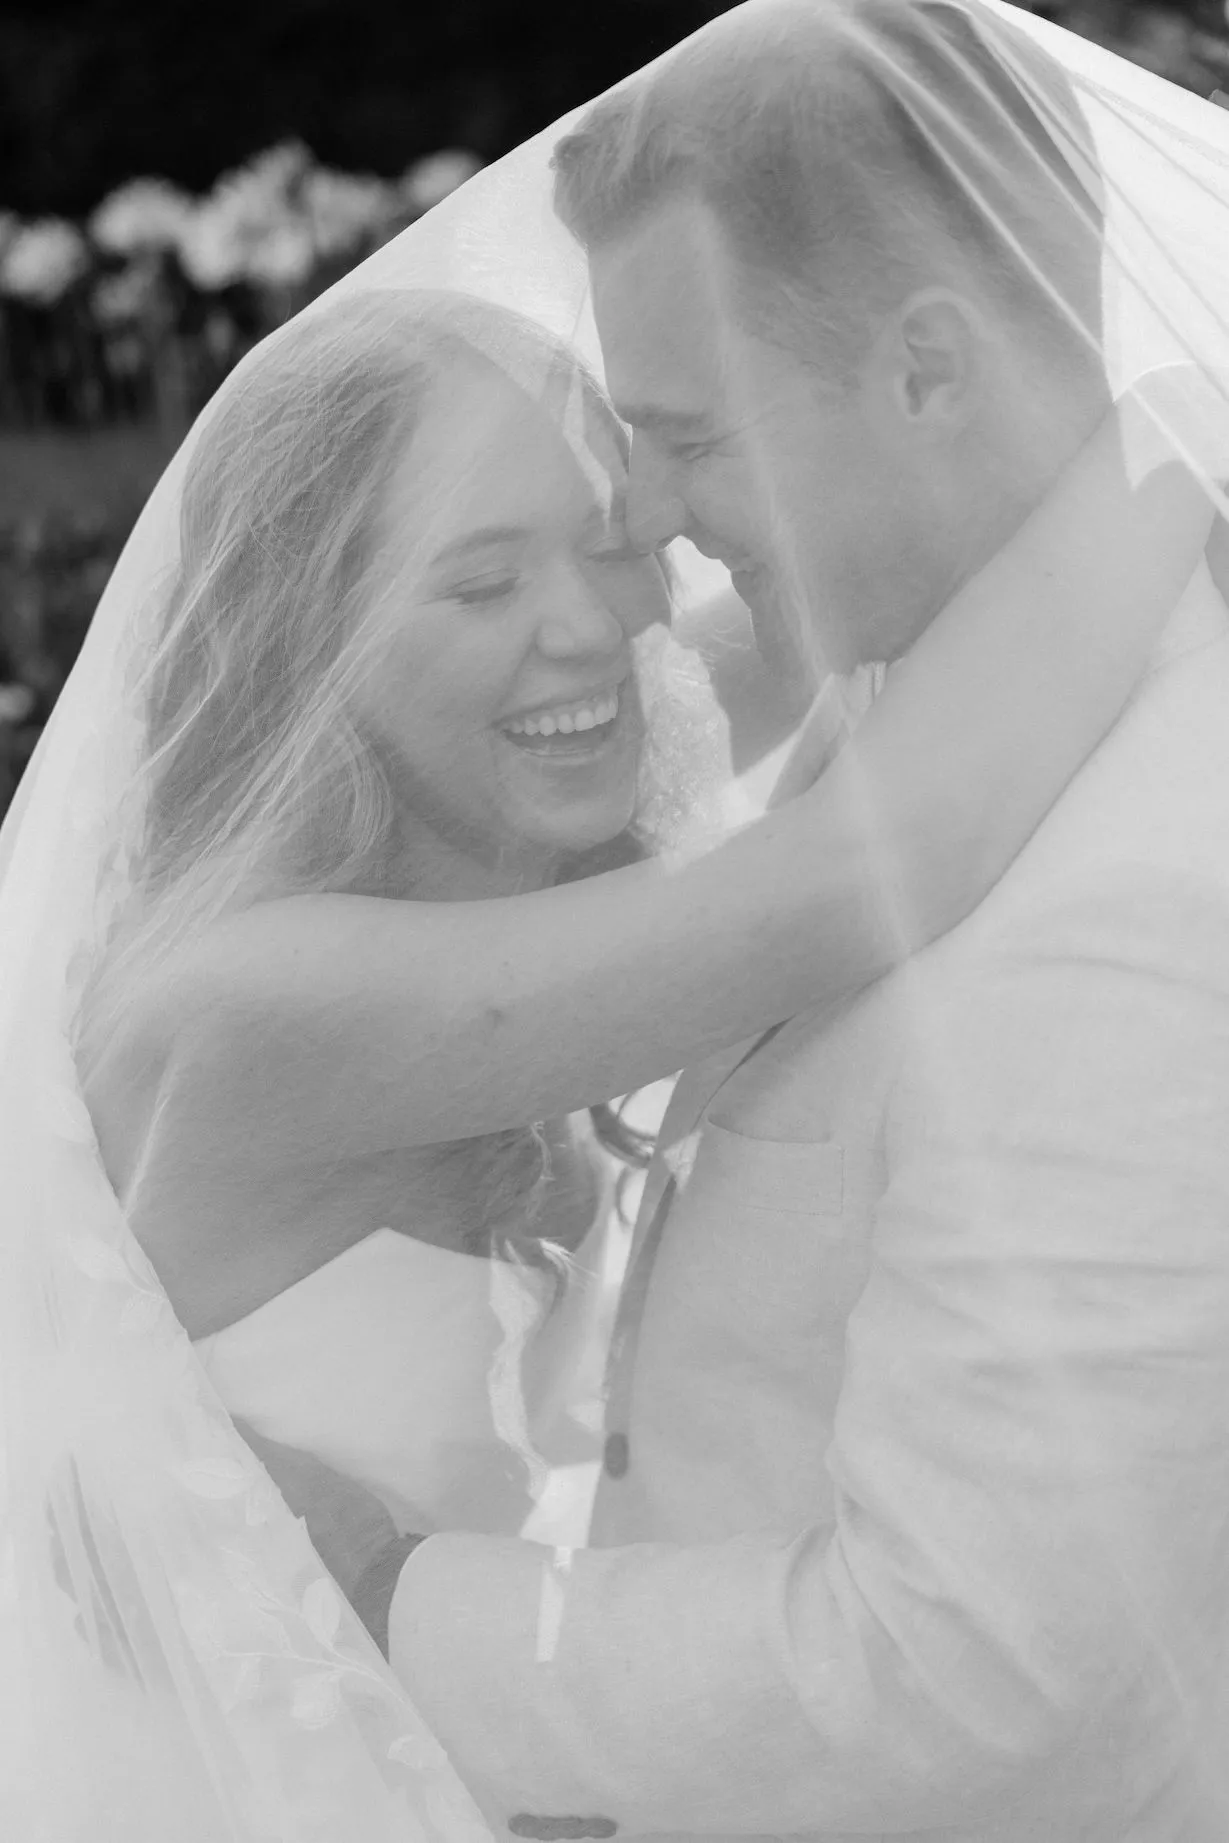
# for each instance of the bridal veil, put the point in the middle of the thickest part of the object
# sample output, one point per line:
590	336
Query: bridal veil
174	1660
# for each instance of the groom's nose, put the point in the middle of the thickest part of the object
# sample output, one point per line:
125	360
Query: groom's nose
655	512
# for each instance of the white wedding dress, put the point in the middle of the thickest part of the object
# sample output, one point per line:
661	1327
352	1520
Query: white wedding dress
462	1391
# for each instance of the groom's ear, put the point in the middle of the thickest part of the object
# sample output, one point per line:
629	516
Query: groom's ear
927	358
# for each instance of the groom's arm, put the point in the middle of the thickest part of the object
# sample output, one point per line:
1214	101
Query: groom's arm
1028	1461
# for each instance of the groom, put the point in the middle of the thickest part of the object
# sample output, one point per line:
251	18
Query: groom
915	1497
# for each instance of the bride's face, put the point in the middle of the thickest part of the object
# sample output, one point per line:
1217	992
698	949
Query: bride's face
502	680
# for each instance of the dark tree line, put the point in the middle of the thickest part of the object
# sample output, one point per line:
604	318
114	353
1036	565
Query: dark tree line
93	92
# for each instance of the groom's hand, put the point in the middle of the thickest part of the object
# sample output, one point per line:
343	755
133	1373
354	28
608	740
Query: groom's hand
350	1528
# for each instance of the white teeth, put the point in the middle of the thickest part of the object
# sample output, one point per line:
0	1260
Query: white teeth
565	721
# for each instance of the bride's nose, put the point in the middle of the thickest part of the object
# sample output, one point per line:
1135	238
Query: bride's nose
576	622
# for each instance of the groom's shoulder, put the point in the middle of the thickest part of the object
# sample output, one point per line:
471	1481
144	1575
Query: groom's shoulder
1156	793
1136	851
1139	841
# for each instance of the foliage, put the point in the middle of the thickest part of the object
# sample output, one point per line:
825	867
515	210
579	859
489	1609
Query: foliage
130	321
52	572
93	91
142	309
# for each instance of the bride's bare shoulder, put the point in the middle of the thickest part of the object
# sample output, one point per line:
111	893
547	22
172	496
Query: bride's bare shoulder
278	955
177	1012
182	1077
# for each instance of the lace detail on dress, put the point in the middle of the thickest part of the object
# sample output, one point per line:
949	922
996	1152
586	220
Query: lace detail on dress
167	1591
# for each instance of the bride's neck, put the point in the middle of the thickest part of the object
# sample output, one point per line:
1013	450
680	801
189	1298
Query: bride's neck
426	866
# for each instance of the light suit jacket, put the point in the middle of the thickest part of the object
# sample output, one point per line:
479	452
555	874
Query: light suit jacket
918	1515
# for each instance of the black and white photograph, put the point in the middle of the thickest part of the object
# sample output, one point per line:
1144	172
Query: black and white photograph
614	921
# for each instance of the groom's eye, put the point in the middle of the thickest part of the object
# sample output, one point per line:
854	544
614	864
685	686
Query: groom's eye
693	451
617	553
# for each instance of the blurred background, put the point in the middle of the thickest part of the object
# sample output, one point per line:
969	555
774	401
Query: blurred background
176	179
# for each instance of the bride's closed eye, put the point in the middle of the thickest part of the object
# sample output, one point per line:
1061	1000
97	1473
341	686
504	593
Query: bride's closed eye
483	591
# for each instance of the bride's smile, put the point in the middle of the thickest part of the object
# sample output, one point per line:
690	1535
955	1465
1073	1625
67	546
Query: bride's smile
545	731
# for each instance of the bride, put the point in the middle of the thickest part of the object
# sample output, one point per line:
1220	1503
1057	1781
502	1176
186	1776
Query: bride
353	871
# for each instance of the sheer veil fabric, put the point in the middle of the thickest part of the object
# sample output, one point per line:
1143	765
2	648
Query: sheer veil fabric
174	1659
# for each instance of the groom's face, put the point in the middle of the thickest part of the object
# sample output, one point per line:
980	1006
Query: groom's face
740	446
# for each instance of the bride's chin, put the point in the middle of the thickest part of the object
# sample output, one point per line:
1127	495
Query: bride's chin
583	822
583	831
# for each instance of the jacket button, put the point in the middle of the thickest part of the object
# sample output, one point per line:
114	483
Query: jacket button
617	1455
561	1829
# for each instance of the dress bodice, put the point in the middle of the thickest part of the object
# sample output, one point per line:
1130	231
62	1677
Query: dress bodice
427	1374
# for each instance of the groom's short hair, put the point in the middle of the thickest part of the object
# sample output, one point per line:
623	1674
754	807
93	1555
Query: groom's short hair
851	149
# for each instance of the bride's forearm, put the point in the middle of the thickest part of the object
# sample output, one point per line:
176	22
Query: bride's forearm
380	1024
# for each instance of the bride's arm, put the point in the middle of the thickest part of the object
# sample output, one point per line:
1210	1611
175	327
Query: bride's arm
358	1024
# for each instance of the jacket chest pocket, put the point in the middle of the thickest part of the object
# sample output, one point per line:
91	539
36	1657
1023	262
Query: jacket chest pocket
770	1237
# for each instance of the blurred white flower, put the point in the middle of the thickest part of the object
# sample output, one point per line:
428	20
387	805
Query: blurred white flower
279	168
42	261
16	703
284	255
345	210
145	214
252	224
432	179
271	222
210	245
126	295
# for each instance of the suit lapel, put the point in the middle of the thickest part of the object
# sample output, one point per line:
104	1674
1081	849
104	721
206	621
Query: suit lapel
839	705
694	1092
